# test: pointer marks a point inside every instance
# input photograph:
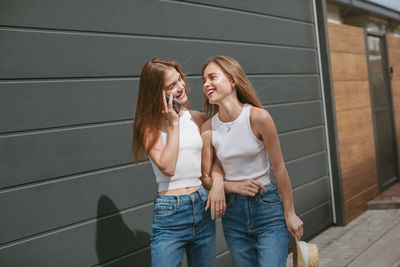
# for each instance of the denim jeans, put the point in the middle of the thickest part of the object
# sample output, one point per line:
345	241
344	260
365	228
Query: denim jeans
255	229
181	224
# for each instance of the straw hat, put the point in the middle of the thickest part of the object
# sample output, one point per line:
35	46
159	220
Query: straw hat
305	254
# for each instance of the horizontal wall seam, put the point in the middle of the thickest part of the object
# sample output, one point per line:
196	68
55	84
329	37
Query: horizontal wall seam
301	129
299	187
338	80
242	11
92	125
72	225
64	128
70	177
114	260
151	37
315	208
360	193
222	254
354	108
291	103
352	138
137	77
69	79
305	157
347	52
105	170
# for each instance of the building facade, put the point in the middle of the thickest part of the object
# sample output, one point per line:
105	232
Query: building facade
70	194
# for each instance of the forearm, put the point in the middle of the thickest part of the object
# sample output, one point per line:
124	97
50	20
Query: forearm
207	181
217	173
285	189
169	156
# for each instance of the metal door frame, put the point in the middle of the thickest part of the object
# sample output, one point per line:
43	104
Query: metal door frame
385	65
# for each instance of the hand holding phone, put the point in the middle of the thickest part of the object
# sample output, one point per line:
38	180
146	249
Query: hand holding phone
176	105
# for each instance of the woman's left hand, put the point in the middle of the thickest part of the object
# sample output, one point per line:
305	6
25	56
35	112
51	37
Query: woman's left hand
294	226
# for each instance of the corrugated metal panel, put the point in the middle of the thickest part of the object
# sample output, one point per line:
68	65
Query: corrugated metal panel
69	192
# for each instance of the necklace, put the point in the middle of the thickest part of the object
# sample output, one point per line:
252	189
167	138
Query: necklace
230	124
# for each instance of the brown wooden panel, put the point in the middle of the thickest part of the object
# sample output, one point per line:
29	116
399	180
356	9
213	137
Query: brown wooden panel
396	68
349	67
357	205
394	54
354	122
396	92
345	38
355	151
351	94
359	178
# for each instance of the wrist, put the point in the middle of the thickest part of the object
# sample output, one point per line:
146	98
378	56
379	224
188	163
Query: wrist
217	181
173	124
229	187
290	214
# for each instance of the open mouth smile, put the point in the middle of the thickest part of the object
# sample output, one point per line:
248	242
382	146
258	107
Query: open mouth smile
209	92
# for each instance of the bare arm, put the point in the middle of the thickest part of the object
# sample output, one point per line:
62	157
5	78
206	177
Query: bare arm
265	129
165	157
212	174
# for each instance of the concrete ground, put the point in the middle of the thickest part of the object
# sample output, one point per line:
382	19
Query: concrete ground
372	239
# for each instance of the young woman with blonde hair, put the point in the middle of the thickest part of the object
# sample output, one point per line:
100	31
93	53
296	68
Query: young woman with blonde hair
171	139
240	143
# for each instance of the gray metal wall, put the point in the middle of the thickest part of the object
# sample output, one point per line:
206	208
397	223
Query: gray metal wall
69	70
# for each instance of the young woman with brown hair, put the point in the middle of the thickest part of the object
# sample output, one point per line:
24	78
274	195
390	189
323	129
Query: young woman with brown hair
239	142
172	141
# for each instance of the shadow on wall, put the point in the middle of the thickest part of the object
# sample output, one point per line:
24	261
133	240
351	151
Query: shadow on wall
114	238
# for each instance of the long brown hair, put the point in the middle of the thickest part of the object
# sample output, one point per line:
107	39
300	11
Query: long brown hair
234	72
148	119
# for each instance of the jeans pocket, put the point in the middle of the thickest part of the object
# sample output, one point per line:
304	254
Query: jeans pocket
270	199
164	209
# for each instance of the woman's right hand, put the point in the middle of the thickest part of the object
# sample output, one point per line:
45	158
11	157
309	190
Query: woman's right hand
247	187
168	110
216	199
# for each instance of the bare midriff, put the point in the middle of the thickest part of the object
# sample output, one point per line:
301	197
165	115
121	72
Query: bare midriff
179	191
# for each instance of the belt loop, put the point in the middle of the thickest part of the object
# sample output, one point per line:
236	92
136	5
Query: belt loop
177	202
202	193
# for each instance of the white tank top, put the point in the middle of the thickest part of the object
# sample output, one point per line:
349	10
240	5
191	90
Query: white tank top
188	165
241	153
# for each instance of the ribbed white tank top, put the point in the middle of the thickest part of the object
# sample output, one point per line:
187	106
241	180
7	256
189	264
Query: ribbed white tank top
188	165
241	154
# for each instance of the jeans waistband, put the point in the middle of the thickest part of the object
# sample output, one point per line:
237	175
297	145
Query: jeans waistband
199	194
271	187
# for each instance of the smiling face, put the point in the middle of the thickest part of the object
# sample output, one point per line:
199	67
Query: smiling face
175	85
216	85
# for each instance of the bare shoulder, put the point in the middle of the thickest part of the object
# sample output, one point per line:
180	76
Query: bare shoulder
260	116
197	116
206	126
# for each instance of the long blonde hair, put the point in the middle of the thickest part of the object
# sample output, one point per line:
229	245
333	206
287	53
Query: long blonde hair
148	116
234	72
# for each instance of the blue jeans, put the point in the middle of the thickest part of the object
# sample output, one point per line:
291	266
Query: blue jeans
180	223
255	229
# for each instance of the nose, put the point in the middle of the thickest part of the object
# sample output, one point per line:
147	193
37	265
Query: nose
206	84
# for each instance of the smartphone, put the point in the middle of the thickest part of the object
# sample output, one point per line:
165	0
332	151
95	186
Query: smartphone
176	105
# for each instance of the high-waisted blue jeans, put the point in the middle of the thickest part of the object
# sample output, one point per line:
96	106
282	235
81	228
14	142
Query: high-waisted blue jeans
255	229
180	223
